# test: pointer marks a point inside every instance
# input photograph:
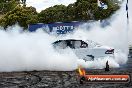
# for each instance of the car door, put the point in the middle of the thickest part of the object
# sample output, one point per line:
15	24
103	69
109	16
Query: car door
82	51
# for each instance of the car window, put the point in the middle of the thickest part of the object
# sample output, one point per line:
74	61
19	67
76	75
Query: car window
80	44
77	44
73	44
84	44
70	43
60	44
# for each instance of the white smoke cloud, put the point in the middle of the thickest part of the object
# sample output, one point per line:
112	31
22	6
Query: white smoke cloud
24	51
32	51
115	35
130	22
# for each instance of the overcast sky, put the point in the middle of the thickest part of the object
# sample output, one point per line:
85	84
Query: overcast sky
42	4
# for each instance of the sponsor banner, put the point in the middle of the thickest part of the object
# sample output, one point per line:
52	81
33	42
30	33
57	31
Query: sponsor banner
107	78
55	28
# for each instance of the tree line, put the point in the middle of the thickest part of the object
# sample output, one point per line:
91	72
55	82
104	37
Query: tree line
16	11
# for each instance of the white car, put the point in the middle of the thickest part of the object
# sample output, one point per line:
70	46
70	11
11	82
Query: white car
87	50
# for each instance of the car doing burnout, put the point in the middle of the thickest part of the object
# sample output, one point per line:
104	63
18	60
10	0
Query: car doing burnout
87	50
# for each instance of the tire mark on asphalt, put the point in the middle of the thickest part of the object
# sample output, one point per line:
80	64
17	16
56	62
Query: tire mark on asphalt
37	76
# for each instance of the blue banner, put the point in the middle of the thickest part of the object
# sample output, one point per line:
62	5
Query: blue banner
58	27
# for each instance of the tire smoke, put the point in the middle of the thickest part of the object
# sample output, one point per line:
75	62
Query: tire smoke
25	51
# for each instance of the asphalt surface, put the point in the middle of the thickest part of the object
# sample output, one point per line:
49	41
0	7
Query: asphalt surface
52	79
